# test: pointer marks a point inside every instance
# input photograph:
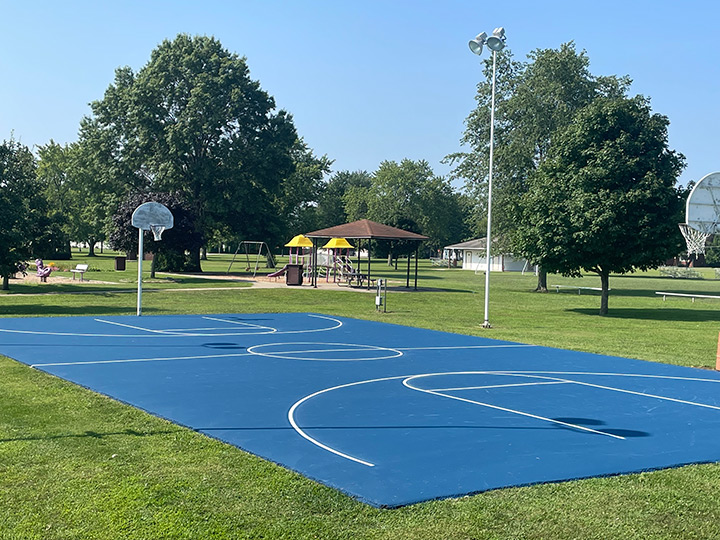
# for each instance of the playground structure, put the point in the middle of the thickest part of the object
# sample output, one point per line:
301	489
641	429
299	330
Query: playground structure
332	260
245	245
43	272
337	261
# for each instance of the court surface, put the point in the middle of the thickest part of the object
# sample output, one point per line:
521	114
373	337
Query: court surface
391	415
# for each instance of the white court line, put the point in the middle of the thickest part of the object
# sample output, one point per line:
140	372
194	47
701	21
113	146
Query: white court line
131	360
497	386
339	348
406	383
633	392
449	348
171	333
303	434
296	427
141	328
257	326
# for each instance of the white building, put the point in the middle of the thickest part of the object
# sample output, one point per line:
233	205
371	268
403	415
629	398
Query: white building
472	256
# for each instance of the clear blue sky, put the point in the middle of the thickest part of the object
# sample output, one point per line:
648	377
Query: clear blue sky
369	80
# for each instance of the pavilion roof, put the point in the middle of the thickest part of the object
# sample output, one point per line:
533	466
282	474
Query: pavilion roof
365	228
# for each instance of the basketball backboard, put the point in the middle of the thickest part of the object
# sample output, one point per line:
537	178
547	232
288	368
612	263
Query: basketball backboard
702	211
152	213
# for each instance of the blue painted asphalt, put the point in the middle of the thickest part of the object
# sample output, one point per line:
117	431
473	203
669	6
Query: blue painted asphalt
388	414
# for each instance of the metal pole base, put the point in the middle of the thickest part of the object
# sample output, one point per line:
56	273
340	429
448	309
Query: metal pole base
486	324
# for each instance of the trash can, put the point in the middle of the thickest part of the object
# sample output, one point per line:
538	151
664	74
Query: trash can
120	263
294	274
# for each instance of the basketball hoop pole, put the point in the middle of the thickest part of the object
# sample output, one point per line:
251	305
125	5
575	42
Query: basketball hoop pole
149	216
140	260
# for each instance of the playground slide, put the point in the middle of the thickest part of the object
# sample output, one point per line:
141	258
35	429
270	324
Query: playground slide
280	272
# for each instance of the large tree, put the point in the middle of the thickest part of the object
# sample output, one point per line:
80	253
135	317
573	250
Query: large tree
604	199
193	121
18	189
331	208
533	101
410	196
172	252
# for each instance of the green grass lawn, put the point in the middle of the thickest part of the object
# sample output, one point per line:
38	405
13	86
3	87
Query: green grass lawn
74	464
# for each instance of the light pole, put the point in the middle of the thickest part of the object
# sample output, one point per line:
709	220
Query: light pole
495	43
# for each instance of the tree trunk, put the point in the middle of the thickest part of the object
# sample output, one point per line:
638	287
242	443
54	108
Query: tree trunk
542	280
91	247
6	283
203	253
605	284
195	262
152	267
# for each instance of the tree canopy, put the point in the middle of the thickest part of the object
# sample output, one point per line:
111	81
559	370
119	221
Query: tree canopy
172	253
18	190
534	100
408	195
604	199
192	121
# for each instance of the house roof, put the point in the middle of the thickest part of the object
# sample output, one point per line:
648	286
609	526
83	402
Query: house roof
365	228
478	243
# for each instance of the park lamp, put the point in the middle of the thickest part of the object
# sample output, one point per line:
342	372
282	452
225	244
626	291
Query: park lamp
495	43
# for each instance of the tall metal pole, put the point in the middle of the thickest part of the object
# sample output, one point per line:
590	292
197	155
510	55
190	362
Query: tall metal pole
488	260
140	259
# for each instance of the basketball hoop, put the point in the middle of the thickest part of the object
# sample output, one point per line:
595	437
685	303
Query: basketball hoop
694	239
157	231
149	216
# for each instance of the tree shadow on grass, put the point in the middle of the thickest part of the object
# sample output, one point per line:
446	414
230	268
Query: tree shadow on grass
43	310
90	434
660	314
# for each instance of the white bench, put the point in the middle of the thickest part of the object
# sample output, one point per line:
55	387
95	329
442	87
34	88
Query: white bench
558	287
79	269
686	295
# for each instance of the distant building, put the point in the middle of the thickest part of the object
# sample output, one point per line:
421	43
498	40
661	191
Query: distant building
471	255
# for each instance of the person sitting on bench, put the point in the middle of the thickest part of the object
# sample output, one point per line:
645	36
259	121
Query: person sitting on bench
42	271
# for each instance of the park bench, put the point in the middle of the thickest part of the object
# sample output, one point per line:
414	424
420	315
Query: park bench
437	261
679	272
79	269
687	295
558	287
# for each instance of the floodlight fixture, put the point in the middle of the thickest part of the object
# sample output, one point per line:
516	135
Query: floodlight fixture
476	45
495	43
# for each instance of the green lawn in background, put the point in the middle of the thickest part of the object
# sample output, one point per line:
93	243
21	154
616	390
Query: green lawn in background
74	464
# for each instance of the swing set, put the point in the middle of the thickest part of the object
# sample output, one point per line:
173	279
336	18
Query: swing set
249	247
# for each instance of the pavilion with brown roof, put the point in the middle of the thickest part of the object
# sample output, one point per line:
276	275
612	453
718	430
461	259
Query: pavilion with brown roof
365	229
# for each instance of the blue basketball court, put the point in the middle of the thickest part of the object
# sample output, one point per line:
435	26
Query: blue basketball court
388	414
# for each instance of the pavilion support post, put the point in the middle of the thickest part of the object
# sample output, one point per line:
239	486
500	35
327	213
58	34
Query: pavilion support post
313	258
417	249
407	278
368	274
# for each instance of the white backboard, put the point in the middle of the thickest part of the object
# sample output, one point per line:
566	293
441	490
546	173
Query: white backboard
152	213
702	211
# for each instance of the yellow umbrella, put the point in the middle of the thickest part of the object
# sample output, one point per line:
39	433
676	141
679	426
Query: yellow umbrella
299	241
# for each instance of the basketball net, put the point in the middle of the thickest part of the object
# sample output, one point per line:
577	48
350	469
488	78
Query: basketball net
157	231
694	239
